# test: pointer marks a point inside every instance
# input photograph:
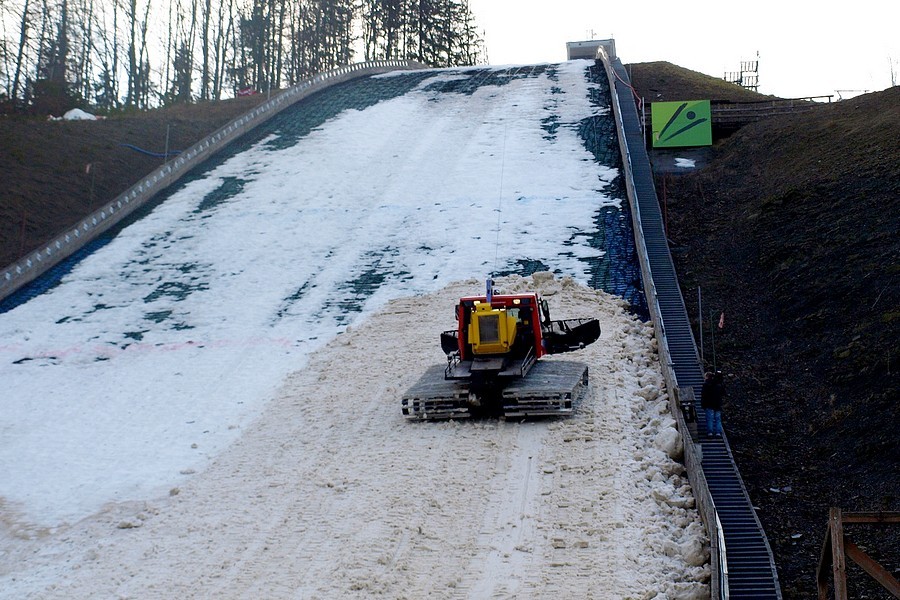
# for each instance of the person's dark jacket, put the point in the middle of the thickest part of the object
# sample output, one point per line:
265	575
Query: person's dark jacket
712	393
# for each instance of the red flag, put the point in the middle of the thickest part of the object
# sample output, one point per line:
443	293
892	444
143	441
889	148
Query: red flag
722	321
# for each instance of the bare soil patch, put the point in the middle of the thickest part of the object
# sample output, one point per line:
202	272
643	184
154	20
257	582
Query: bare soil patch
791	231
47	184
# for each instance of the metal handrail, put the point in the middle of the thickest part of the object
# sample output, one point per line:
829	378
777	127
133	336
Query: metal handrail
693	452
723	560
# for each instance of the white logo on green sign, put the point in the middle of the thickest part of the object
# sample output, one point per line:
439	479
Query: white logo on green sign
678	124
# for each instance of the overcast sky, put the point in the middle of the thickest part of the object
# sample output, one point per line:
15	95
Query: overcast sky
805	48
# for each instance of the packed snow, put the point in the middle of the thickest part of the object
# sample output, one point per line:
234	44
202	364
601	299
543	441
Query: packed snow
209	404
330	493
75	114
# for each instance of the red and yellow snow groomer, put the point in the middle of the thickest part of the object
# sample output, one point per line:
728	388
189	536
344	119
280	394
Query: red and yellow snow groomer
493	362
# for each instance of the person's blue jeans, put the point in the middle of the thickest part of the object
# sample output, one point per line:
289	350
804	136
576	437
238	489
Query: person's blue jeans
713	421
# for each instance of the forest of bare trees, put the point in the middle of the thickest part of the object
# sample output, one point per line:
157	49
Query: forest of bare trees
134	54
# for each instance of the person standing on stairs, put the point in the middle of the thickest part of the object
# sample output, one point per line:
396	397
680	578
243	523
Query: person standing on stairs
711	395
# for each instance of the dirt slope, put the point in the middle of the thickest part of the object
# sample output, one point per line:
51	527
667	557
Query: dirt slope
791	231
47	186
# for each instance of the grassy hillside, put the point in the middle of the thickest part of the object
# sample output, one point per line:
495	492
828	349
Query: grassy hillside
791	230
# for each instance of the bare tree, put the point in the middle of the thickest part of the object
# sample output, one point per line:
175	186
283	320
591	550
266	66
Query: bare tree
138	70
83	60
205	24
182	36
224	24
131	13
25	23
50	89
106	88
94	49
383	23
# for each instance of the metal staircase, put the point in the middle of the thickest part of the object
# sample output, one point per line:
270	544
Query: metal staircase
745	564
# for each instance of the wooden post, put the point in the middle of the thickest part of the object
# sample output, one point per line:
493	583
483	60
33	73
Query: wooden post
824	565
870	566
836	547
838	567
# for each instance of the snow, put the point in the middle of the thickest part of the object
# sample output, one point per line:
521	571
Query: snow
330	493
209	404
685	163
76	114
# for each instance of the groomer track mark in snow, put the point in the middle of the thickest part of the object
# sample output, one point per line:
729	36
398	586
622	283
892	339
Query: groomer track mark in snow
330	493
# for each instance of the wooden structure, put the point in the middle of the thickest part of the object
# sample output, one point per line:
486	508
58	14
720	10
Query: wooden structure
838	547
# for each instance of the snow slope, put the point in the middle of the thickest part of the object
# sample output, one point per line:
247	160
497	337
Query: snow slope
183	326
208	405
330	493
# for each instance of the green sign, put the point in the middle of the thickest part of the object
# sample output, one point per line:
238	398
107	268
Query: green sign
678	124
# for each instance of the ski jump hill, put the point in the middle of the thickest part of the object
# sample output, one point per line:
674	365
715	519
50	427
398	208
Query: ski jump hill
204	375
